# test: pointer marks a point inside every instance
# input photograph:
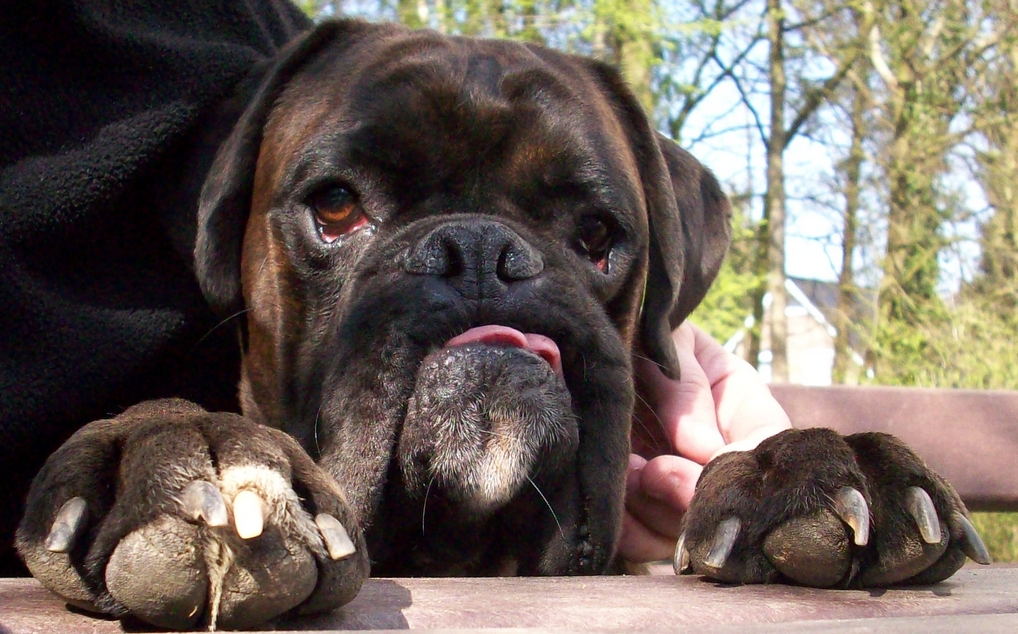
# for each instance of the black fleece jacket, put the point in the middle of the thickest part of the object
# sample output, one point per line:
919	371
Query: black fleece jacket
108	111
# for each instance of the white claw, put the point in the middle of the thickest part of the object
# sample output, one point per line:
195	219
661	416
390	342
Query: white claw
203	500
337	540
724	542
851	507
248	514
920	507
68	523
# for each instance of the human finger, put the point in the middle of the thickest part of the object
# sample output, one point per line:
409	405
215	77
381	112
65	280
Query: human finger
684	408
746	411
639	544
659	492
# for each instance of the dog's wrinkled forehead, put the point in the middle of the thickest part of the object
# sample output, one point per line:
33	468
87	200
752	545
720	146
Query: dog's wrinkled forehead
453	115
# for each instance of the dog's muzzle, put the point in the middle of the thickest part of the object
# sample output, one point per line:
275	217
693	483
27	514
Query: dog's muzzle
483	419
491	405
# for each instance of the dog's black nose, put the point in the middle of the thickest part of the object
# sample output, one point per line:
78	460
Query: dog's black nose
475	254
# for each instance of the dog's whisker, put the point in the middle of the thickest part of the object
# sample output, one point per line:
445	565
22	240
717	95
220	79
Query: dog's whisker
643	425
220	324
648	407
651	410
648	360
496	434
318	416
554	515
424	510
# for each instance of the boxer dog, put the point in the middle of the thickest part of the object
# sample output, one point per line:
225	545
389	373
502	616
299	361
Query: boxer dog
443	254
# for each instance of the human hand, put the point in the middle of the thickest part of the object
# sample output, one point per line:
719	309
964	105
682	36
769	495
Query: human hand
719	404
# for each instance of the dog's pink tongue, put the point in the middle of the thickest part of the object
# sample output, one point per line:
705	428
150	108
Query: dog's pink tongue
506	336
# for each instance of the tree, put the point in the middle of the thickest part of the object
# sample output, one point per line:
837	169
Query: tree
810	95
996	120
847	34
723	311
925	52
848	294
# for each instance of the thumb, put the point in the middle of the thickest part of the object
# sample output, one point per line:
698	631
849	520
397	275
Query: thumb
685	407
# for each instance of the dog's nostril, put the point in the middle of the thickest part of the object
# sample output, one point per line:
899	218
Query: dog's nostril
475	250
514	265
519	261
439	255
454	261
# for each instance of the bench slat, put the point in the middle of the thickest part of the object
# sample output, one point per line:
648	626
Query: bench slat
968	436
603	603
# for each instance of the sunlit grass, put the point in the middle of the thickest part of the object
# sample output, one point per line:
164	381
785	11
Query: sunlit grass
1000	533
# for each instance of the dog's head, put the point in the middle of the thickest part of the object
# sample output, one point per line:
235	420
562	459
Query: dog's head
446	252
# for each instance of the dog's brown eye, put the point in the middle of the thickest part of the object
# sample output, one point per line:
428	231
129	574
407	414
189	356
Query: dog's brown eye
336	213
594	238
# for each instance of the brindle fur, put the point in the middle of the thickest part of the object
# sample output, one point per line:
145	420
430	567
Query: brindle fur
476	161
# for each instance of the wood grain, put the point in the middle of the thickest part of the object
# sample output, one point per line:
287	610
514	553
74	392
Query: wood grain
976	599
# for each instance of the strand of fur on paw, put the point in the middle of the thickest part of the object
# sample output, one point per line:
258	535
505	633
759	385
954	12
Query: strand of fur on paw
218	560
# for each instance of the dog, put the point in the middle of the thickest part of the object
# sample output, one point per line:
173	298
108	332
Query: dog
442	255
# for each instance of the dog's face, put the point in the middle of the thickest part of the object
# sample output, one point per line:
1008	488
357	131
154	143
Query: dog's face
447	252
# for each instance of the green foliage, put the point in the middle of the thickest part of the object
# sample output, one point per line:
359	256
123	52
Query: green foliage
933	51
310	7
1000	534
650	41
723	312
965	346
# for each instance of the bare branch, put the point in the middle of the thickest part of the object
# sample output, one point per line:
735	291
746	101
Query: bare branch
727	72
749	106
878	61
817	96
791	28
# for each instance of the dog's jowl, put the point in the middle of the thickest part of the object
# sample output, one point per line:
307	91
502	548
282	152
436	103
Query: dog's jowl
443	254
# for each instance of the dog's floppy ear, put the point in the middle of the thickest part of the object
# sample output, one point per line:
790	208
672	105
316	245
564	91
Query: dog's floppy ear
689	220
705	217
690	227
226	196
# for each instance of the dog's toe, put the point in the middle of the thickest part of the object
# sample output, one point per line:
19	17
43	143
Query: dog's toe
265	577
812	550
158	574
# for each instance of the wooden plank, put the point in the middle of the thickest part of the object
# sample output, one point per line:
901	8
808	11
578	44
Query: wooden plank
968	436
600	603
950	624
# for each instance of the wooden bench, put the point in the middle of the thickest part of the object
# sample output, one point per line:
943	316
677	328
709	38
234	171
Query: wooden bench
969	437
977	599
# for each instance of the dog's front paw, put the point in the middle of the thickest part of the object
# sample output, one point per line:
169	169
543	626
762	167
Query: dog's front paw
820	509
179	517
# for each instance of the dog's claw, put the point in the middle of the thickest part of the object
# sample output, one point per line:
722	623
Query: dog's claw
971	544
68	523
851	507
724	542
922	510
680	560
203	500
248	514
337	540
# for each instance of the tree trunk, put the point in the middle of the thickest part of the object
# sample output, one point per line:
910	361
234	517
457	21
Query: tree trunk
632	49
846	282
997	281
774	201
413	13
